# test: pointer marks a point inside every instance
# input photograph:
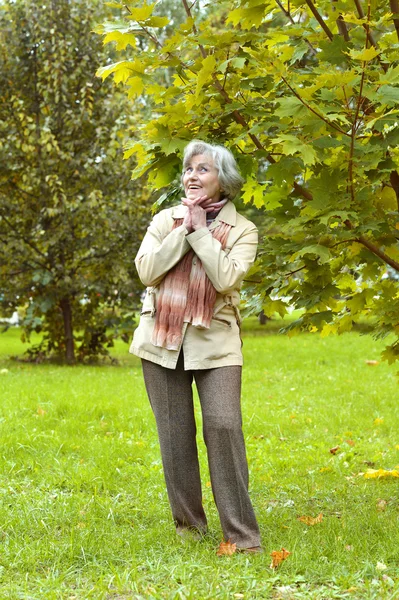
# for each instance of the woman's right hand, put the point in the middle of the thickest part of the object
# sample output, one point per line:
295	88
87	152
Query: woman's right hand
195	217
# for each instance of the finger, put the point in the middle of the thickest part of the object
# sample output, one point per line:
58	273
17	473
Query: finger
198	201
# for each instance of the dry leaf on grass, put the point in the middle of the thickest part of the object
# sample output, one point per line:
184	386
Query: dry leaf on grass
311	520
278	556
372	363
41	412
381	504
380	473
334	450
226	549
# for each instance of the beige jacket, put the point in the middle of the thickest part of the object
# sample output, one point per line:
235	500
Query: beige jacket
161	249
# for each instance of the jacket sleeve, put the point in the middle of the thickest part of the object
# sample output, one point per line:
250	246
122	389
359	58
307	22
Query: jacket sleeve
160	249
226	271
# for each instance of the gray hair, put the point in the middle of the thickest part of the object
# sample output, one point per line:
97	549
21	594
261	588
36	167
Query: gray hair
229	177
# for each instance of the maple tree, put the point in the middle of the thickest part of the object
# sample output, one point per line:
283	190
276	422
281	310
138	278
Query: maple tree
69	227
306	97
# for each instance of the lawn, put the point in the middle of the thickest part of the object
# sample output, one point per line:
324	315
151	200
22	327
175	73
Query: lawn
84	512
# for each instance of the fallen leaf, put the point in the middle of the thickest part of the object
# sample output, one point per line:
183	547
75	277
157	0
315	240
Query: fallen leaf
208	484
278	557
4	371
379	421
380	566
381	504
350	442
226	548
349	548
311	520
372	363
380	473
334	450
41	412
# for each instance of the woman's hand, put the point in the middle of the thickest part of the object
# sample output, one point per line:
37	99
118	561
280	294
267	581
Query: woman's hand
196	215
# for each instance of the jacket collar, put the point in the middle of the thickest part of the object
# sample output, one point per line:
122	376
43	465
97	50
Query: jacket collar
228	214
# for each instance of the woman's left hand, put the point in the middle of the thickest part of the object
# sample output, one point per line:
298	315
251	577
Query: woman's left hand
196	215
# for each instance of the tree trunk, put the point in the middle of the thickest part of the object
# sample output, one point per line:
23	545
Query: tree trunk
68	330
262	318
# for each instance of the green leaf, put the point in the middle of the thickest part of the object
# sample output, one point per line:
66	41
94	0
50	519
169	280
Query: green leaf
157	22
333	52
164	171
388	94
321	252
391	76
290	106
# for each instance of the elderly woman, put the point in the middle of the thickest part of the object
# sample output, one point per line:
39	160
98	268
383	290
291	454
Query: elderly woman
193	259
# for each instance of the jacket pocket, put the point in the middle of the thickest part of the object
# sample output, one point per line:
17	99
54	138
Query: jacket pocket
223	322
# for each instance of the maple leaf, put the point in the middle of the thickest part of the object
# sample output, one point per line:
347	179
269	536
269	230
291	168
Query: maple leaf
311	520
226	549
278	557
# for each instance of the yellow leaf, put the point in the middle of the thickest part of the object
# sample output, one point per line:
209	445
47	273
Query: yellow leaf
136	87
208	66
365	55
380	473
379	421
311	520
122	39
226	549
141	14
41	412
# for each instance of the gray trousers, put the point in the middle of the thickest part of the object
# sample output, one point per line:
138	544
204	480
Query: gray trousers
171	397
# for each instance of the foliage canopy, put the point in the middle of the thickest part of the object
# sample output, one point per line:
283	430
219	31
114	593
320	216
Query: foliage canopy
306	97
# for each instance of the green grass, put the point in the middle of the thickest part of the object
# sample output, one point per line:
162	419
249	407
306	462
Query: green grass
83	506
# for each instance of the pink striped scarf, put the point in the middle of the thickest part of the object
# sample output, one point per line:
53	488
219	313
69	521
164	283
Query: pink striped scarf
185	295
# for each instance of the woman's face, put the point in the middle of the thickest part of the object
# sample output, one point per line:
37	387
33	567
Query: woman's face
200	178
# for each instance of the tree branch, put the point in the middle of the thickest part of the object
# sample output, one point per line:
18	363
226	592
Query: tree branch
289	16
319	19
394	4
312	109
342	28
370	36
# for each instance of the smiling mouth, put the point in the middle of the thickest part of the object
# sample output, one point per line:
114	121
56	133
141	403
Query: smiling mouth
194	187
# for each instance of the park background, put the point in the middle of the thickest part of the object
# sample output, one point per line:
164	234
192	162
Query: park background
97	103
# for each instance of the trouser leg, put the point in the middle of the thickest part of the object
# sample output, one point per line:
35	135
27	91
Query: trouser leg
171	397
220	390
